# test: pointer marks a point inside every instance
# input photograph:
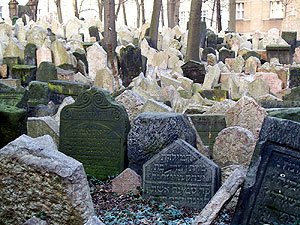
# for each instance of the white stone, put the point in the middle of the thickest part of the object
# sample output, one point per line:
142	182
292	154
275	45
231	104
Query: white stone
97	59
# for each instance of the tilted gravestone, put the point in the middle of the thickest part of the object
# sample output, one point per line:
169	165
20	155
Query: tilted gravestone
152	132
194	70
30	55
182	176
294	77
93	130
271	190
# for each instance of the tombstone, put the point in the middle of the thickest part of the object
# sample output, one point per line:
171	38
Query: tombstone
212	77
215	94
93	31
43	54
270	194
251	53
59	89
194	70
180	175
15	49
211	39
37	94
81	56
272	80
258	88
13	123
226	53
59	53
220	107
208	127
13	96
105	79
281	52
30	55
37	36
233	146
294	80
207	51
34	165
25	73
252	65
291	38
131	64
94	130
97	59
3	71
152	132
203	32
10	61
46	71
238	64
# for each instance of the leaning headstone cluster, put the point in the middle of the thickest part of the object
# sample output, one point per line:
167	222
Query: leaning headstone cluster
175	128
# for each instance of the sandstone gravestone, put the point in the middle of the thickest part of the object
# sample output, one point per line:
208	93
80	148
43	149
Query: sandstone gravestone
152	132
181	176
233	146
270	194
93	130
43	180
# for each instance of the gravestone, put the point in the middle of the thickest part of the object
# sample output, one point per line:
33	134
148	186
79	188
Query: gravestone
10	61
286	113
13	96
294	77
93	130
226	53
181	176
208	127
46	71
291	38
211	39
93	31
152	132
207	51
37	93
25	73
270	194
278	104
131	64
251	53
30	55
194	70
281	52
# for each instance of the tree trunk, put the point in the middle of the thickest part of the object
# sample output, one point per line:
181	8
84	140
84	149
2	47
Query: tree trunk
171	13
75	8
100	8
124	13
176	12
59	13
193	41
138	11
162	16
212	14
219	20
154	23
143	12
232	16
118	9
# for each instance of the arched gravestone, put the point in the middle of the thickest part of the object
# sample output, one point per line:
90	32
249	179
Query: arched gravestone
93	130
182	176
271	192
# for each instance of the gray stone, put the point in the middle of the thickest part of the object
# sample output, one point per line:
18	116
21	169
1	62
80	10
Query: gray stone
258	88
97	59
182	176
35	221
238	64
104	79
152	132
212	77
46	71
127	181
58	182
155	106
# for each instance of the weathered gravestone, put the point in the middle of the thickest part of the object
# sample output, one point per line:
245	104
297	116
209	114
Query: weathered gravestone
194	70
30	55
46	71
93	31
93	130
182	176
25	73
208	127
152	132
281	52
294	76
207	51
225	53
13	96
291	38
37	93
270	194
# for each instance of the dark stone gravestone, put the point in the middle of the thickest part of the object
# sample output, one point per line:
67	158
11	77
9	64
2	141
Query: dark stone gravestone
13	96
211	39
220	40
281	52
267	104
223	45
251	53
25	73
68	66
152	132
203	31
215	94
291	38
37	94
10	61
94	32
225	53
46	71
30	54
80	55
194	70
59	89
208	127
13	123
294	95
181	176
294	77
270	194
93	130
131	63
207	51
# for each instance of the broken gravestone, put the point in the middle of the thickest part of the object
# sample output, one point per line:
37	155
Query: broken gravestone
182	176
93	130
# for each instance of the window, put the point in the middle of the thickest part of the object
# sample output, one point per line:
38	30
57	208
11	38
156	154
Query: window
1	16
240	11
276	9
203	15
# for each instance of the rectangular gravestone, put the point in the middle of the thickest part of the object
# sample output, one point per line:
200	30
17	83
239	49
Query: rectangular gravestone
194	70
270	194
13	96
294	77
94	130
208	127
181	176
281	52
267	104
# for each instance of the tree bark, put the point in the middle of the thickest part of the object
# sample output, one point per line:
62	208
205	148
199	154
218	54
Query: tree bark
59	13
100	8
162	16
154	23
124	13
75	8
212	14
176	12
170	12
143	12
118	9
232	15
138	11
219	19
193	42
